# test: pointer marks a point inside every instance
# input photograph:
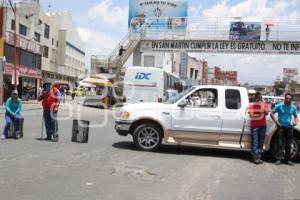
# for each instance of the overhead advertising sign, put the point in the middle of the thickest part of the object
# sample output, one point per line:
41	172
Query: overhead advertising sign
24	43
162	15
290	72
208	46
246	31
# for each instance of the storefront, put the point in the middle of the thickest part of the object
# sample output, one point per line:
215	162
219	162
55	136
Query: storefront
28	68
29	82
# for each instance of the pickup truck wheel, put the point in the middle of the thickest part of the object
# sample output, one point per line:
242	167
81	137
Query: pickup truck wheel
147	137
295	147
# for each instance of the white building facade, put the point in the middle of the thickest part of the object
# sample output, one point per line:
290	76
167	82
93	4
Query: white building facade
48	47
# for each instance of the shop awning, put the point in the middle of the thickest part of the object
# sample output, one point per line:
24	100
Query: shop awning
97	81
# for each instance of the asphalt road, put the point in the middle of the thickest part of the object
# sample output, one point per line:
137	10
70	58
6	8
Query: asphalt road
110	167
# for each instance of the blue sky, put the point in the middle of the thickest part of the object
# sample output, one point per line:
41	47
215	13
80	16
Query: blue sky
103	23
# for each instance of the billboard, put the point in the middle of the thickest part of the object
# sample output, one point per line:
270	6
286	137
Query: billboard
247	31
164	15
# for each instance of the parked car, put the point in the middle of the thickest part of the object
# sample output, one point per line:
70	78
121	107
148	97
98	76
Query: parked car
219	121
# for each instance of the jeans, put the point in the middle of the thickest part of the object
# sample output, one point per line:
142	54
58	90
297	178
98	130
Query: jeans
257	140
284	140
8	120
50	123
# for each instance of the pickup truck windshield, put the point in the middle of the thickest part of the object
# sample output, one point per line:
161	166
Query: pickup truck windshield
179	96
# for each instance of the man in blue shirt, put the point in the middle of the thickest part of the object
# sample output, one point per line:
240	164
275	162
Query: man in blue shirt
287	118
13	108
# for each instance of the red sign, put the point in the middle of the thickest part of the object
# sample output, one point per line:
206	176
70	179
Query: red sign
230	75
24	43
23	71
218	73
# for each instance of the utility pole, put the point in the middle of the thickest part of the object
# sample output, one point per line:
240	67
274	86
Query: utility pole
14	9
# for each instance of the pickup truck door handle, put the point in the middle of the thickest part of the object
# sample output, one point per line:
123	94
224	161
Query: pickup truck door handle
216	117
165	113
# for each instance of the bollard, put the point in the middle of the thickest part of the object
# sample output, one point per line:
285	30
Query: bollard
80	131
12	131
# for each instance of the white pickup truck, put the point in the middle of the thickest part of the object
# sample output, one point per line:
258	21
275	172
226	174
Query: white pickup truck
219	119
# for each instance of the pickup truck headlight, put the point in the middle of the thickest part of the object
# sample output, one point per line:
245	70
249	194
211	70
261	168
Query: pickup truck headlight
125	115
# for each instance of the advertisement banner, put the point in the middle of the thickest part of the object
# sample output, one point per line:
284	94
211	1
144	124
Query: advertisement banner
247	31
210	46
167	14
23	71
290	72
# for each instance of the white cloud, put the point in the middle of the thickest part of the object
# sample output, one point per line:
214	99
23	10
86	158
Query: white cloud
252	8
107	14
97	43
256	69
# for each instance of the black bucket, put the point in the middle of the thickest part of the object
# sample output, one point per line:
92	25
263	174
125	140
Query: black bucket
80	132
12	129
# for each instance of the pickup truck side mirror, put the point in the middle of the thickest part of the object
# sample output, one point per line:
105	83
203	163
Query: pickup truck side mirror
182	104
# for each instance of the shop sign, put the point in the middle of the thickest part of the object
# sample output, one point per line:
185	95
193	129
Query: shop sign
23	71
24	43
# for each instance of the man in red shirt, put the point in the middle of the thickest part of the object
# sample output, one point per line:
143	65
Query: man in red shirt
50	98
258	111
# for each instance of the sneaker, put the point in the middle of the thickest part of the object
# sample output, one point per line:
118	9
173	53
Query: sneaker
256	160
18	135
260	161
290	163
55	138
2	137
278	162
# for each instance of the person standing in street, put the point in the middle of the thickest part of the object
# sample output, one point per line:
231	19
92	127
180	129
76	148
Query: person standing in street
50	98
287	118
258	111
13	108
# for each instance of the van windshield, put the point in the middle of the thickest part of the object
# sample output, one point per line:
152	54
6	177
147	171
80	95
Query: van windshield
174	99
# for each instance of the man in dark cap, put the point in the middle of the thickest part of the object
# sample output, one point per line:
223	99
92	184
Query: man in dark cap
50	98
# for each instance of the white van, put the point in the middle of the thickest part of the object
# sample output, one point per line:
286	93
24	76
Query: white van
147	84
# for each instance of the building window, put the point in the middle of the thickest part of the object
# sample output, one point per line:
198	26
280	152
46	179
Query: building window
191	73
52	41
9	53
47	31
196	74
22	30
12	25
37	37
45	51
57	43
149	61
40	22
